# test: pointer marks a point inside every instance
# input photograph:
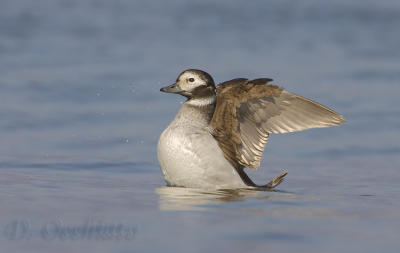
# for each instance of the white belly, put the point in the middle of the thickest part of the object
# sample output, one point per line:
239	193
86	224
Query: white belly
191	157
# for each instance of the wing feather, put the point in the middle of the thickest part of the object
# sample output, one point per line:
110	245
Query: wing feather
248	111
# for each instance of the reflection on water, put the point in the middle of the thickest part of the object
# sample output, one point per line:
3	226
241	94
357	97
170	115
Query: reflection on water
179	198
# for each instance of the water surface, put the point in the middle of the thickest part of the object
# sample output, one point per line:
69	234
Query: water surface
81	113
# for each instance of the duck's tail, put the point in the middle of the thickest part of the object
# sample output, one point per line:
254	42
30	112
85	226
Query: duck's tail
275	181
272	184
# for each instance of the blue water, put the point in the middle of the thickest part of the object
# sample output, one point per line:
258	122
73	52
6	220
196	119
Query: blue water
81	112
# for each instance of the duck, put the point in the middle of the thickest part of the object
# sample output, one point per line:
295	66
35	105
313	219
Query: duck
221	130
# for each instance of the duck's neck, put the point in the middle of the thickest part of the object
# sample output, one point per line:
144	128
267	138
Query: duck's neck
197	111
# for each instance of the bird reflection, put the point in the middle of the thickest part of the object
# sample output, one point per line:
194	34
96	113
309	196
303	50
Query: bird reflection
179	198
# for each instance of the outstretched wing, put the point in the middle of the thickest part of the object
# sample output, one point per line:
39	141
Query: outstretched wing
247	111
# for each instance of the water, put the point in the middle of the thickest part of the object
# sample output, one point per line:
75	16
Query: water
81	113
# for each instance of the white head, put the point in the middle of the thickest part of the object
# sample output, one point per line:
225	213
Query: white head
193	84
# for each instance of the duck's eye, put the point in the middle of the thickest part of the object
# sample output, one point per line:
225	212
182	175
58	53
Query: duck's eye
191	79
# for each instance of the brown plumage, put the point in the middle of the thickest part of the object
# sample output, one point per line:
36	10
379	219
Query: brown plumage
247	111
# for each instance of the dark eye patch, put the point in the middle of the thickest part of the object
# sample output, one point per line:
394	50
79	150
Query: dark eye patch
191	79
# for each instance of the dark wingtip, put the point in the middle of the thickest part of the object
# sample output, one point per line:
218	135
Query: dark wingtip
261	81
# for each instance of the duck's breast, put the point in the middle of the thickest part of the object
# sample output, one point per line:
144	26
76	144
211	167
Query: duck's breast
191	157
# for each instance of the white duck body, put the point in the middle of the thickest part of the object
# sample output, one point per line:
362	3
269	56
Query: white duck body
189	155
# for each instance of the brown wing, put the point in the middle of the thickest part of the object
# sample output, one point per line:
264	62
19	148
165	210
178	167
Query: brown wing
248	111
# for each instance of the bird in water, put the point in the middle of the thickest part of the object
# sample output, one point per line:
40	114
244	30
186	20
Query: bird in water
220	130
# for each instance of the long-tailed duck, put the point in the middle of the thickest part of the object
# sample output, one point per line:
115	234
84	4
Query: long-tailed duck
220	130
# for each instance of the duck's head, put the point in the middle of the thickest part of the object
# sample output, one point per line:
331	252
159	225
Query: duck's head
192	83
